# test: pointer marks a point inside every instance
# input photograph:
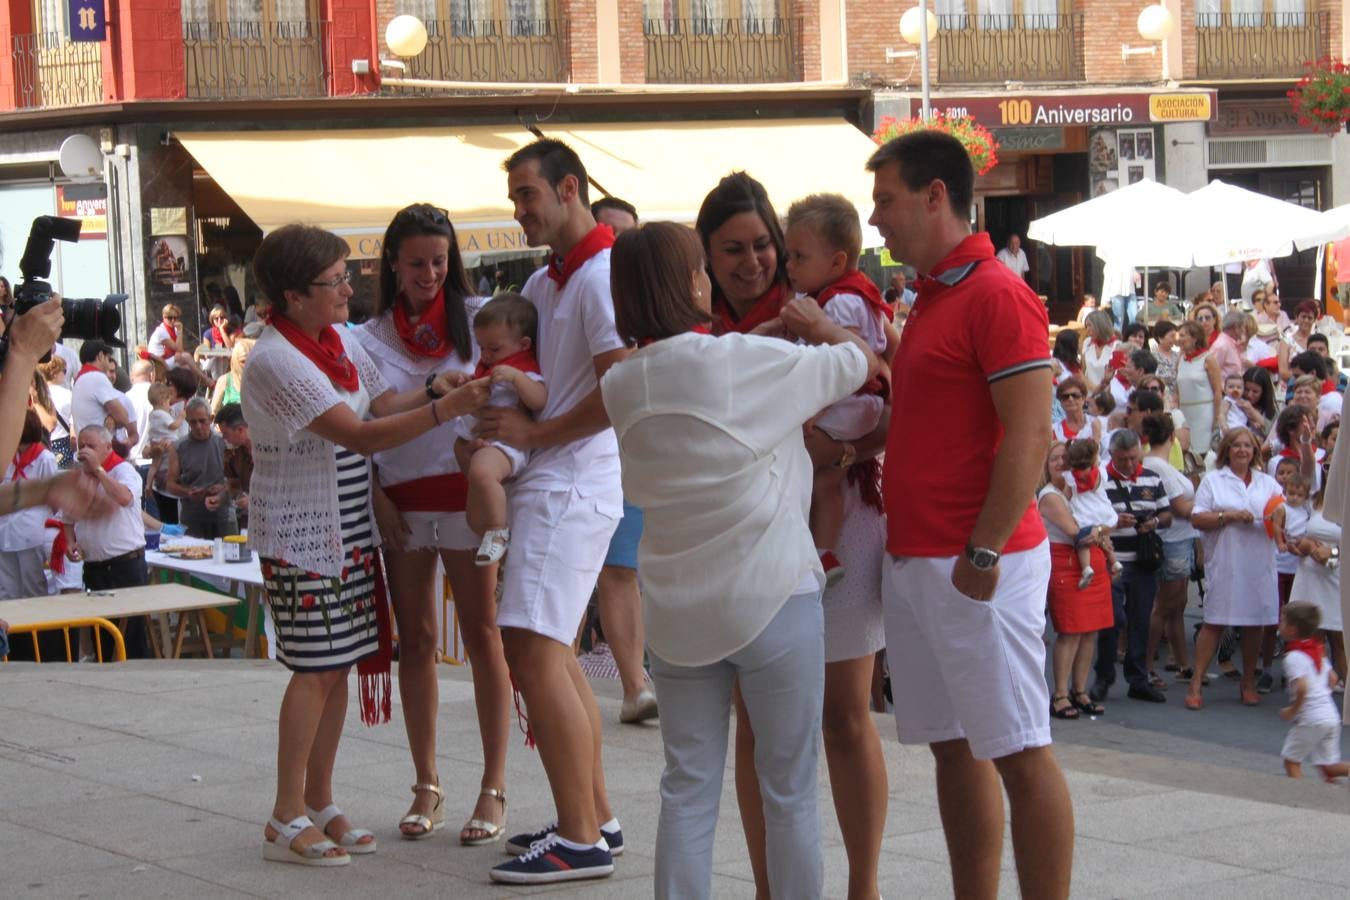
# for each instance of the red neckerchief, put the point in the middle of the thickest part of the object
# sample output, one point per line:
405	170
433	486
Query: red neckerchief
1328	386
1085	481
173	332
1069	434
89	367
1290	453
22	460
1093	342
427	337
60	544
216	336
855	282
524	361
562	268
1124	382
1196	353
1214	336
145	354
697	329
767	307
112	461
1113	472
1311	646
327	352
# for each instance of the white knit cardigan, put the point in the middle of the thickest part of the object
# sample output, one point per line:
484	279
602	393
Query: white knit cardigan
293	497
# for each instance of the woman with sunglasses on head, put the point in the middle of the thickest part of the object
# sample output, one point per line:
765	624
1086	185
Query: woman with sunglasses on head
422	328
317	408
220	336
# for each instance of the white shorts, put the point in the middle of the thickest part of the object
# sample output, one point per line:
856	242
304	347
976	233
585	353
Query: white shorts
440	531
1316	745
464	427
962	668
558	544
852	417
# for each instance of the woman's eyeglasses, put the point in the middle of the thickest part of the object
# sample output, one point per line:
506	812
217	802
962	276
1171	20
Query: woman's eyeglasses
173	318
339	281
1072	395
1204	317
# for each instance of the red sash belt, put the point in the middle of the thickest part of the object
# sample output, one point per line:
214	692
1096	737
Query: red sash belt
434	493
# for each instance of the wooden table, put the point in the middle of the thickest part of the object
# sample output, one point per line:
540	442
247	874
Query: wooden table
156	600
245	576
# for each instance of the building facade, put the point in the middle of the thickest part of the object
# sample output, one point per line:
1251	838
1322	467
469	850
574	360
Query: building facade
220	119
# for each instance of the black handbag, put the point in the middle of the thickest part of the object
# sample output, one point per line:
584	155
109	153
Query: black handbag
1148	554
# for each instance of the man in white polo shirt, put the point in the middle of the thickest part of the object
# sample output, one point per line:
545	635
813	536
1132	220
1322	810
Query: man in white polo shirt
564	507
94	400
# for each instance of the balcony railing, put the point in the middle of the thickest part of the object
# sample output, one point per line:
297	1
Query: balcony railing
723	51
532	50
976	49
52	71
255	60
1258	45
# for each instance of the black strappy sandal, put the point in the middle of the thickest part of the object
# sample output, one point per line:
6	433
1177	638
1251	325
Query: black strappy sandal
1086	705
1068	711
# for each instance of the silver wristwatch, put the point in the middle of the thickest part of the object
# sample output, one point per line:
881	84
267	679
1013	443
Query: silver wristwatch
982	558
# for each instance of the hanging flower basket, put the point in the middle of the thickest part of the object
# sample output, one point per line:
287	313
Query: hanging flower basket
979	143
1322	96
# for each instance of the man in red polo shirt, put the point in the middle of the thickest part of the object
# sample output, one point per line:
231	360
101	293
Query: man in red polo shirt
967	564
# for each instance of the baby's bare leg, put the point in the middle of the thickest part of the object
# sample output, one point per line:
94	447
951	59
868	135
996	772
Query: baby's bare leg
488	468
1293	769
1084	556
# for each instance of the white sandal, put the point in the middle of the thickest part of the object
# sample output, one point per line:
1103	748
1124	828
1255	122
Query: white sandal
493	547
428	824
351	840
279	848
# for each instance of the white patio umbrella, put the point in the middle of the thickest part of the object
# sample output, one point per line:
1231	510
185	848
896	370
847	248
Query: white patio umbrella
1142	223
1337	222
1230	224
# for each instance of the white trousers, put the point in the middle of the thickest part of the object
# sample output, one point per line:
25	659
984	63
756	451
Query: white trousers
782	678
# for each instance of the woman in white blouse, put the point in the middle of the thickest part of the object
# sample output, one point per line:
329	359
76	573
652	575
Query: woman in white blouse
420	329
317	407
710	435
1229	511
1099	342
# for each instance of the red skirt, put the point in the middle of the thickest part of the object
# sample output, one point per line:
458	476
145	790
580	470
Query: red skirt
1074	611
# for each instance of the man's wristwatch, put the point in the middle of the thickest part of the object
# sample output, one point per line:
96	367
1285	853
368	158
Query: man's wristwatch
431	393
982	558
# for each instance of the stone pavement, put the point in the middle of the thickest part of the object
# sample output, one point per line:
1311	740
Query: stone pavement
153	780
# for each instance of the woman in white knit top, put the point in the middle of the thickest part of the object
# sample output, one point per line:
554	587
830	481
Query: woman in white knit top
317	408
710	437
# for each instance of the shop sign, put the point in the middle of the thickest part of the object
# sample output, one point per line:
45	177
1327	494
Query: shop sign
74	201
1065	110
1255	117
488	239
1029	140
88	20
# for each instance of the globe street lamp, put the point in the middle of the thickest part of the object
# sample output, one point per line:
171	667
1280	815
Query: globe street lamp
1155	25
912	30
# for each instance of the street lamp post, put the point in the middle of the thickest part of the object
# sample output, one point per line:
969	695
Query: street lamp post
912	30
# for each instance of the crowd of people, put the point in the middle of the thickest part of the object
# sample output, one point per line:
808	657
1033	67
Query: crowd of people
1205	449
733	411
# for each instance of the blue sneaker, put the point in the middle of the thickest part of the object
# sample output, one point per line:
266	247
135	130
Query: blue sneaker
549	861
520	844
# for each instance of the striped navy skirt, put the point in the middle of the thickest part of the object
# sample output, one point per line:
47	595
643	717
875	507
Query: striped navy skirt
329	623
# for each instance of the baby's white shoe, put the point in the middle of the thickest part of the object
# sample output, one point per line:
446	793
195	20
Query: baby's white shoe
493	547
1085	579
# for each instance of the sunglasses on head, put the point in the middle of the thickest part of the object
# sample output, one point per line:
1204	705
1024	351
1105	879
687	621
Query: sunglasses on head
425	214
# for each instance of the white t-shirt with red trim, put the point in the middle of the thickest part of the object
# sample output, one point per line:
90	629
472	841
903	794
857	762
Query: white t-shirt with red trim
969	328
